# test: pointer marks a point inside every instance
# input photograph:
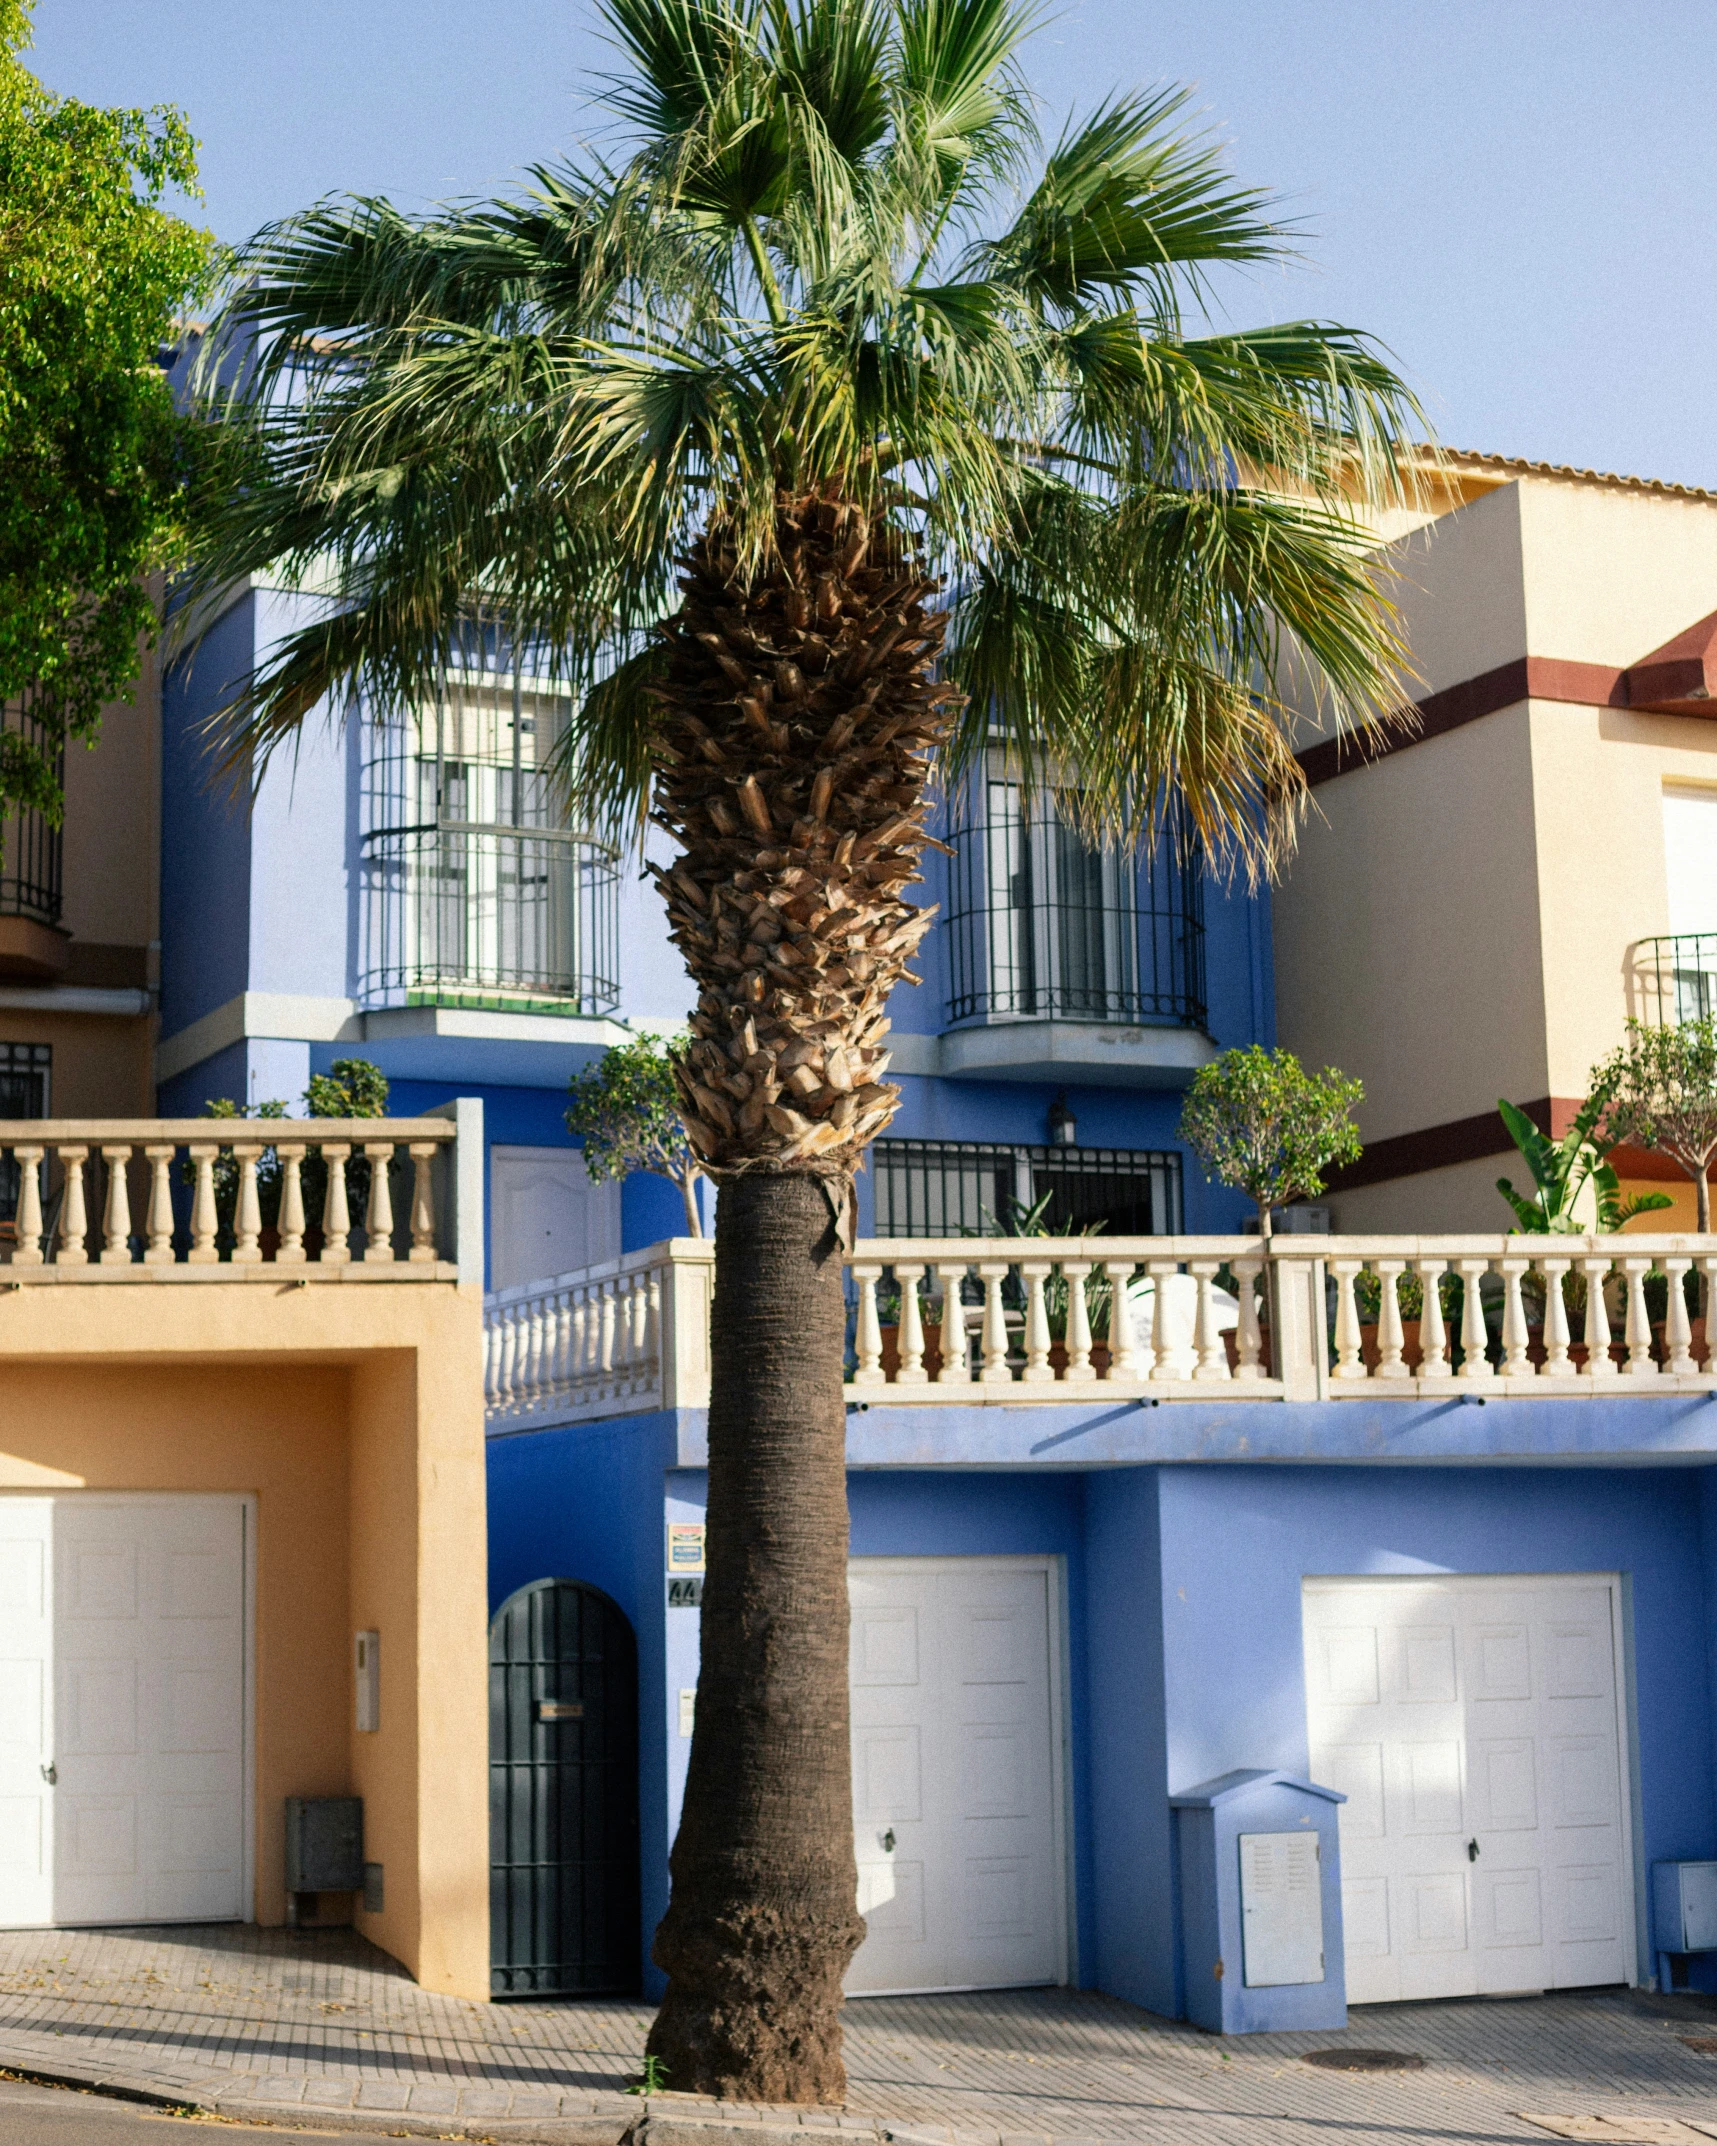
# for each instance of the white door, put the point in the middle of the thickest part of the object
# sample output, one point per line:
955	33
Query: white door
956	1791
545	1215
1473	1724
142	1752
26	1710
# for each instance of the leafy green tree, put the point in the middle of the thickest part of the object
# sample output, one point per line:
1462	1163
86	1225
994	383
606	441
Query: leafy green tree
351	1088
92	453
1660	1088
708	427
1562	1170
1259	1121
626	1110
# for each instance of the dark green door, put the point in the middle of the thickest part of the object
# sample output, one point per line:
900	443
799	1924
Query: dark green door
563	1794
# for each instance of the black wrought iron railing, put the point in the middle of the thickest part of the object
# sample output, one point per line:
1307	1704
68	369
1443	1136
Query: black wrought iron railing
30	848
1674	980
462	912
1042	924
953	1188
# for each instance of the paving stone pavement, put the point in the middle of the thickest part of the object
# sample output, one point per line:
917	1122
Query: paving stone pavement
318	2029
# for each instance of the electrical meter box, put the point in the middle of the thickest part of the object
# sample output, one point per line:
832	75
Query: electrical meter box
324	1844
1260	1903
1683	1913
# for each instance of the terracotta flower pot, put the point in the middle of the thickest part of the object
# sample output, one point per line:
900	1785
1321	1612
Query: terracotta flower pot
1371	1354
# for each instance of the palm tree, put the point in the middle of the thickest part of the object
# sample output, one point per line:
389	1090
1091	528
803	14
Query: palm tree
715	423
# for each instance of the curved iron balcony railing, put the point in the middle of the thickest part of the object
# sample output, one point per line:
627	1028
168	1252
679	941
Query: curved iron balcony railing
1674	979
30	849
472	912
1043	926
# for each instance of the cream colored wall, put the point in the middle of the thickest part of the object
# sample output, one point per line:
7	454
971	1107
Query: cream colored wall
1406	941
1611	574
1457	1200
1599	776
104	1065
354	1412
1459	587
111	852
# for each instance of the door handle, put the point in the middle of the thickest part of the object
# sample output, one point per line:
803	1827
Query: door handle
1472	1851
50	1773
888	1842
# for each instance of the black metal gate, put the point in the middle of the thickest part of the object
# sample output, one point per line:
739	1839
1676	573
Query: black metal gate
563	1794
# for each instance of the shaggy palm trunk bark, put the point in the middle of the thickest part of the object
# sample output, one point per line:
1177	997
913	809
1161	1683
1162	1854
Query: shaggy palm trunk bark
800	717
763	1920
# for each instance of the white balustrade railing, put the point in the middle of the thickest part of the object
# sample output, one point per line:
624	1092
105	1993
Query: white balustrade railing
938	1320
171	1196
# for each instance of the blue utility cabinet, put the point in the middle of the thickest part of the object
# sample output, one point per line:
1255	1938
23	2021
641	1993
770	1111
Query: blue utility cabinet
1260	1903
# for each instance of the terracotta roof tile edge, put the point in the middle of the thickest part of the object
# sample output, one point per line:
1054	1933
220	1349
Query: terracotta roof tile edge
1473	458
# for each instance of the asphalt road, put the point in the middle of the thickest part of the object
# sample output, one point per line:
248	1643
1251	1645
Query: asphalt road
59	2116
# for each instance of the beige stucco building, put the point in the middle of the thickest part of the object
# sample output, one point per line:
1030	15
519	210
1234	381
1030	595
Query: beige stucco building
1471	909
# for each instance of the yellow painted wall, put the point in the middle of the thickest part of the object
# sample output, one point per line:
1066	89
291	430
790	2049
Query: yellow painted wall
353	1412
104	1066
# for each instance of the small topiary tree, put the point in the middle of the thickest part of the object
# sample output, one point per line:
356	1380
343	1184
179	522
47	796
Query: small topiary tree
1661	1086
1257	1120
626	1110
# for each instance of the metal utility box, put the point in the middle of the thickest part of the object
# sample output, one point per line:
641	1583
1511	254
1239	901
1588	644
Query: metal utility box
1260	1903
1683	1912
324	1844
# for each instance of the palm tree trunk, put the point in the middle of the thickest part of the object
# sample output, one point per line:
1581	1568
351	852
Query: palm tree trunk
764	1915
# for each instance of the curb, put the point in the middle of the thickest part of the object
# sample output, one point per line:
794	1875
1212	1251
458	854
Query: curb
646	2123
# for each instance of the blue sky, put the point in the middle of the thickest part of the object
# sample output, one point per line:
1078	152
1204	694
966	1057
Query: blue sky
1518	196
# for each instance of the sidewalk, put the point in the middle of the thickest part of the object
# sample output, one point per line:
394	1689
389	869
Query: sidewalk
318	2030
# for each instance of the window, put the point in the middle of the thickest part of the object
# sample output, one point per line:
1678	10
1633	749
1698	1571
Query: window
476	890
1043	925
953	1188
25	1069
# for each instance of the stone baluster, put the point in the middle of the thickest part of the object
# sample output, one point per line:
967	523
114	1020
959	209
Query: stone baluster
1207	1335
530	1372
205	1218
29	1249
1474	1339
74	1217
1249	1336
1124	1353
867	1330
1516	1364
605	1341
422	1153
1074	1272
158	1252
560	1338
1038	1369
1349	1362
1707	1269
116	1215
1166	1362
641	1331
491	1363
1677	1328
993	1341
1638	1329
336	1216
1391	1358
653	1329
291	1252
378	1216
1433	1336
1598	1364
247	1213
912	1371
578	1347
1557	1363
955	1368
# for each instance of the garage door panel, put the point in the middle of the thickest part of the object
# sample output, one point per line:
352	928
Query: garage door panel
1484	1842
957	1879
23	1576
100	1581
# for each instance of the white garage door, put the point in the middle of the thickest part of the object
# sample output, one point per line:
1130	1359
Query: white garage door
1473	1724
546	1217
956	1774
122	1709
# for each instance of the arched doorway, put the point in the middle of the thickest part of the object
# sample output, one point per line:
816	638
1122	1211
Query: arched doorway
563	1794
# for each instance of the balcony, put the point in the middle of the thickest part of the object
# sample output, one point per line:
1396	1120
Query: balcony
315	1200
1673	980
33	948
1069	962
1077	1321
